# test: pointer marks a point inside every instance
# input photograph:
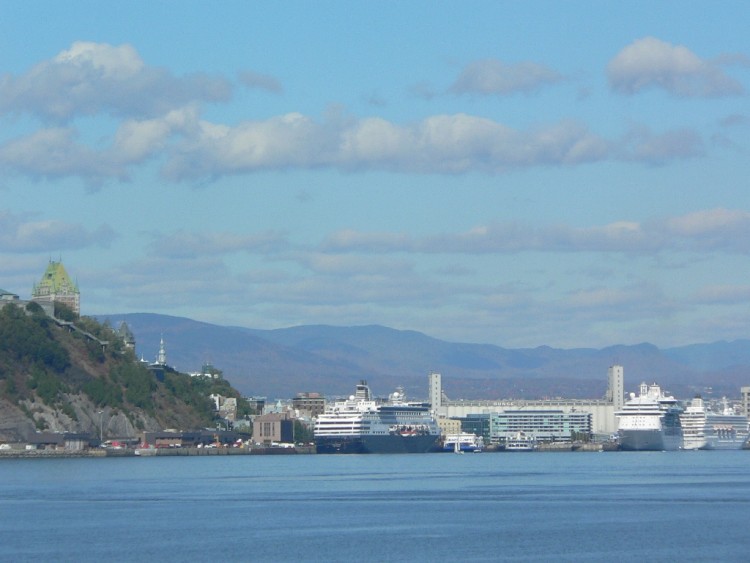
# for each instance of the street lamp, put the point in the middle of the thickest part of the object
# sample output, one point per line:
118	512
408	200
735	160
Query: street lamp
101	427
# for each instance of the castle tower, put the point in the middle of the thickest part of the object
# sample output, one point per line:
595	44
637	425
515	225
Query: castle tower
56	287
128	338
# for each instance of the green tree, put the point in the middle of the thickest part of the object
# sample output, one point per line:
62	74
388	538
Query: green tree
64	313
302	432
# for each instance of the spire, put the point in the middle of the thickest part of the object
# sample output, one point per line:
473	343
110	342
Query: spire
161	359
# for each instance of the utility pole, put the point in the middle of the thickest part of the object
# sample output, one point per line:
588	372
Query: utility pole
101	427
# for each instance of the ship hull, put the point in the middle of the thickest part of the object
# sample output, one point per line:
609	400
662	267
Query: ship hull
376	444
651	440
462	448
714	443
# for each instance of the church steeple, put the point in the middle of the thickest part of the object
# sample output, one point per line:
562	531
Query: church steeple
161	358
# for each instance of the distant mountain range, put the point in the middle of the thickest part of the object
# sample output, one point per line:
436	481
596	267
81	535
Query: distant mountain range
330	360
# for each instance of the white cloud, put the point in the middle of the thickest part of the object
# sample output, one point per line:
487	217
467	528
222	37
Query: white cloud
54	153
260	81
136	140
709	230
492	76
112	62
653	63
92	78
162	121
20	234
711	221
439	144
195	150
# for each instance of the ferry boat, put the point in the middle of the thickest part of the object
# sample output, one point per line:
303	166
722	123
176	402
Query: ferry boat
521	442
649	421
463	442
360	424
703	429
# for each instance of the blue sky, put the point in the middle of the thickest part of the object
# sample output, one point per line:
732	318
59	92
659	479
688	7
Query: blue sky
571	174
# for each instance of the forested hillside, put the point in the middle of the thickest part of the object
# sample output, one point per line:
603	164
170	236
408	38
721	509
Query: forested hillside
80	377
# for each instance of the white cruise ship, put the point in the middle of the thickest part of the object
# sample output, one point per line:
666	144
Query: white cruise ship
703	429
362	425
649	421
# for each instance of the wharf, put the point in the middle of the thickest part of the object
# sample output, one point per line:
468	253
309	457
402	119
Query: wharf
568	447
102	453
234	451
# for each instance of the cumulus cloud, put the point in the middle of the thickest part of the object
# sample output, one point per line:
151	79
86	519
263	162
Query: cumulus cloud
135	140
492	76
708	230
642	145
194	150
21	234
92	78
260	81
653	63
438	144
161	120
54	153
713	230
499	238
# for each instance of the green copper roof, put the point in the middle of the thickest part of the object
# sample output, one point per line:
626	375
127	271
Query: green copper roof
56	280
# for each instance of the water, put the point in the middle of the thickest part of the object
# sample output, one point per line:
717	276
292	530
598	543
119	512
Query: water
643	506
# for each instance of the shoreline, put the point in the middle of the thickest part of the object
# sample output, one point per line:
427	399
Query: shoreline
158	452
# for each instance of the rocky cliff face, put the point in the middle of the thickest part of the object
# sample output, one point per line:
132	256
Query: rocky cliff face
59	378
18	422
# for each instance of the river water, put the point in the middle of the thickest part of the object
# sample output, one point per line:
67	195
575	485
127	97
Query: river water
615	506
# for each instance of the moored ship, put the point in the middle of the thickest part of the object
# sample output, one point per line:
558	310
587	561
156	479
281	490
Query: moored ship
361	424
649	421
521	442
463	442
703	429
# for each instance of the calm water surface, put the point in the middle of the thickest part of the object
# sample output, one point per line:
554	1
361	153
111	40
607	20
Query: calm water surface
661	506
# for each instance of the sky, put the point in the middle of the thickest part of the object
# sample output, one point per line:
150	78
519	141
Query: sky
572	174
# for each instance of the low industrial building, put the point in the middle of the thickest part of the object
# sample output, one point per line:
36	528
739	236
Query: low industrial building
60	441
191	439
273	428
601	412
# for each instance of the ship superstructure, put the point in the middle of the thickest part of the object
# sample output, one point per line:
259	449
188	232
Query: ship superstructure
463	442
649	421
360	424
703	429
